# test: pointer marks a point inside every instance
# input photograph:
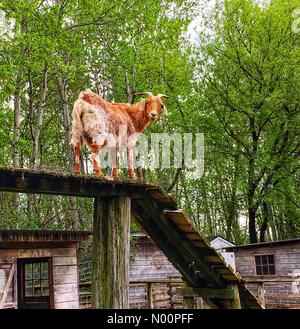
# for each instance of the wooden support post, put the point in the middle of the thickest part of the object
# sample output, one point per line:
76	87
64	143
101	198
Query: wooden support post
111	243
261	294
235	303
150	295
188	302
199	303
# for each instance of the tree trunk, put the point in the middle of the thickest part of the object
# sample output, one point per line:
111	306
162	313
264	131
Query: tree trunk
252	213
16	132
252	226
111	243
66	121
63	83
17	121
252	184
267	218
39	123
207	214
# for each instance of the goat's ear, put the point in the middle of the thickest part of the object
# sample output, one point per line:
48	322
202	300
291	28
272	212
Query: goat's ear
164	110
141	105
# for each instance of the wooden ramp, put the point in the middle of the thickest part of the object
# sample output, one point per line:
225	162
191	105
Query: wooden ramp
204	269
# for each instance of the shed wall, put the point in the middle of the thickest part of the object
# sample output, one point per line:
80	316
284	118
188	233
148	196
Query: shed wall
65	273
281	290
287	259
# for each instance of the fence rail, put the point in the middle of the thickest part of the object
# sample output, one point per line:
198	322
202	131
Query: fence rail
151	293
276	291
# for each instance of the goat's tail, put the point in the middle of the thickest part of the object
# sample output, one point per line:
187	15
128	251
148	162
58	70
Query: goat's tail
77	126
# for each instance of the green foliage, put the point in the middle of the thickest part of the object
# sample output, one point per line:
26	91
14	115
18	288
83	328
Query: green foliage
239	85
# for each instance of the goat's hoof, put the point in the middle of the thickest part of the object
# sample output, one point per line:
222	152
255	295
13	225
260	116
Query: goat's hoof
99	174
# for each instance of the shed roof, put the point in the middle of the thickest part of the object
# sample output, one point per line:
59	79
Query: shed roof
214	237
264	244
9	236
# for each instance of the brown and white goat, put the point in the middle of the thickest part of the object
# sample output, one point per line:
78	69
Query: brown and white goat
97	123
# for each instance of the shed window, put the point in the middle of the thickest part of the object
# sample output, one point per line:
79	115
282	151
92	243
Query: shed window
37	279
265	265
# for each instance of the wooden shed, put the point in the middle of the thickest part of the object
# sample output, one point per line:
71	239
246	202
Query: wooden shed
153	278
38	269
272	271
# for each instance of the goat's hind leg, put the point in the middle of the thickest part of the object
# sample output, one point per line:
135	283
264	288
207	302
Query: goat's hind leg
77	148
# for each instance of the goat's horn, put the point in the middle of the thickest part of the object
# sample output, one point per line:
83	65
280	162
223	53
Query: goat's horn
163	95
144	93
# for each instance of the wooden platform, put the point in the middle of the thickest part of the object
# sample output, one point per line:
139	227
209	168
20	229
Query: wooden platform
201	266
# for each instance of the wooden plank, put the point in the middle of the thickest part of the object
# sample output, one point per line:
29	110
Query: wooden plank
207	293
159	195
67	305
179	220
271	278
65	288
186	228
41	252
6	288
28	181
230	277
157	281
64	261
65	270
177	217
193	236
214	259
224	270
202	244
65	279
66	297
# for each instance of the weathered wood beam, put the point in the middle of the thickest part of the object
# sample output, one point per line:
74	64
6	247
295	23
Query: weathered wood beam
163	241
161	231
111	243
182	244
261	294
235	303
150	296
207	293
188	302
27	181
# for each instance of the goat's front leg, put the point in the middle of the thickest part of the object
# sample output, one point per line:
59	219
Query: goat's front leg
130	152
77	148
95	150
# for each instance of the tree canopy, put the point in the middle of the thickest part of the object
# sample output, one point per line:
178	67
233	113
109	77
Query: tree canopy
236	81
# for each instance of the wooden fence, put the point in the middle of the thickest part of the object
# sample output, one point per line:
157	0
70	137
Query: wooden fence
147	294
276	291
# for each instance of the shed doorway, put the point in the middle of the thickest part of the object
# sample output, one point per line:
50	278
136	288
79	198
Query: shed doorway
35	283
